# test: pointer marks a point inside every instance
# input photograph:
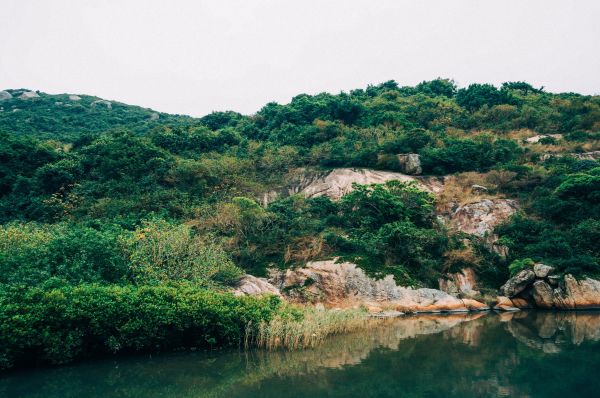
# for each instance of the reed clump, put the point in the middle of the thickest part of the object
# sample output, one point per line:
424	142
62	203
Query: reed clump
305	327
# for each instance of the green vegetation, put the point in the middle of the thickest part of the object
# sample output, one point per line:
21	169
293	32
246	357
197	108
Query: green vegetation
126	210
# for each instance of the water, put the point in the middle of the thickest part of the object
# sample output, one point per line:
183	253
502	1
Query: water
536	354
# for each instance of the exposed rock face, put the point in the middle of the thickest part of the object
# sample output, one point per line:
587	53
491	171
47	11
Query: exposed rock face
252	286
595	155
541	270
338	182
5	95
463	283
29	95
344	284
73	97
518	283
106	103
536	138
480	218
537	288
410	163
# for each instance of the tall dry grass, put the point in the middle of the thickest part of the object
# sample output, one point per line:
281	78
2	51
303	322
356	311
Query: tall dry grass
307	330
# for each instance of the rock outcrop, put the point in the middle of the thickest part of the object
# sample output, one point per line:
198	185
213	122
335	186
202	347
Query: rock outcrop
5	95
536	138
344	285
250	285
338	182
106	103
462	284
74	97
539	288
410	163
594	155
482	217
29	95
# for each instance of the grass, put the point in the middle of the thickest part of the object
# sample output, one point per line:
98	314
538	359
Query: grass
305	327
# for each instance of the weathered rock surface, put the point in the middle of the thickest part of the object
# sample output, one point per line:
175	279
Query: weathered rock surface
106	103
29	95
463	283
518	283
74	97
5	95
344	284
481	217
338	182
252	286
536	138
505	304
542	270
594	155
410	163
537	288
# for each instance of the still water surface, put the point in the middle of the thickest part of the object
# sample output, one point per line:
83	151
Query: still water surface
535	354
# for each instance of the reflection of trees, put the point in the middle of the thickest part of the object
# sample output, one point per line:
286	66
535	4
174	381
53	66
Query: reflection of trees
452	355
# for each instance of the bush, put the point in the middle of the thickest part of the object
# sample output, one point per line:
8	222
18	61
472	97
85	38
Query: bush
31	253
160	252
56	325
519	265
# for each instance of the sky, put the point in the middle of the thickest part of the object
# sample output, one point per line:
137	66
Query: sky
194	57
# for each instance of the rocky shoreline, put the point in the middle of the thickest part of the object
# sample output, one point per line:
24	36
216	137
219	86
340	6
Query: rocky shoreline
344	285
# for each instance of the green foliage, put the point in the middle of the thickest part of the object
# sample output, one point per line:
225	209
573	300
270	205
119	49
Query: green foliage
519	265
477	95
59	323
32	253
478	154
161	252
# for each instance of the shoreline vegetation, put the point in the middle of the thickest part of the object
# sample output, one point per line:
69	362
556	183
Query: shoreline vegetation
58	325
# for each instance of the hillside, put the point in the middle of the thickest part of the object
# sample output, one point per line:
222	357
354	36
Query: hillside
67	117
101	199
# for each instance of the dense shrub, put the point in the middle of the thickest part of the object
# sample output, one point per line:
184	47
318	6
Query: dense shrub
32	253
161	252
57	324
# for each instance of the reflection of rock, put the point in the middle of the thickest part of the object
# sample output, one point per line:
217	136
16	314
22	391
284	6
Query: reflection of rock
463	283
344	284
410	163
548	331
530	289
252	286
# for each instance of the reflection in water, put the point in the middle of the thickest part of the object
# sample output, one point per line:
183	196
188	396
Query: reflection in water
513	354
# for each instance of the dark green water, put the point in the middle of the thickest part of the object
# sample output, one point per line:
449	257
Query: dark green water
533	354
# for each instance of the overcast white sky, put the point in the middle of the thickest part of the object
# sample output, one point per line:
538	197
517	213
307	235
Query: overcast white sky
193	57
